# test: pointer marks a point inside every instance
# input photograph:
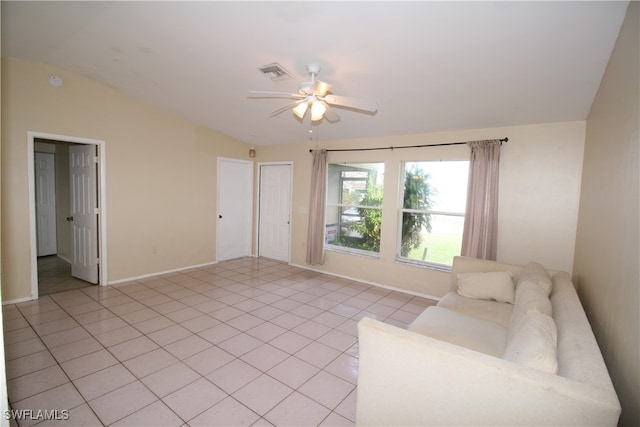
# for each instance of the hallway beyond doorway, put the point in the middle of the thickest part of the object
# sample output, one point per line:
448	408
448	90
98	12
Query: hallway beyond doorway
54	275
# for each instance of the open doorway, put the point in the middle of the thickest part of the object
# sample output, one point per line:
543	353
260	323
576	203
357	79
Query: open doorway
67	215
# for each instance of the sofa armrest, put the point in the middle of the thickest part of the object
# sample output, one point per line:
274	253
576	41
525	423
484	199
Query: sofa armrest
411	379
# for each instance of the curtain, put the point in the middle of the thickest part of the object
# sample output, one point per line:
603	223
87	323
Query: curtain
317	198
480	235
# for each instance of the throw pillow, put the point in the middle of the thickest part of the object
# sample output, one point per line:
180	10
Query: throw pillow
492	285
535	344
534	272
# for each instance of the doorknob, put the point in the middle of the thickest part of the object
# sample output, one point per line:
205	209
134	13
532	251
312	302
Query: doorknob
220	216
69	218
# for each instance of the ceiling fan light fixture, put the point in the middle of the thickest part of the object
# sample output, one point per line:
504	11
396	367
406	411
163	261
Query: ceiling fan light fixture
300	109
317	110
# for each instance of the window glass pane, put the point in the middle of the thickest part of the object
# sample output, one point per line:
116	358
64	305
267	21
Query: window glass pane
438	246
443	183
347	183
359	228
419	192
339	224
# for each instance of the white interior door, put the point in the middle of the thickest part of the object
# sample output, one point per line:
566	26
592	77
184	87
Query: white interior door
84	212
275	212
45	180
235	208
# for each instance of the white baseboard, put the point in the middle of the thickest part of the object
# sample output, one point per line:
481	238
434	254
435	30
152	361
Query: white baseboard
161	273
64	258
304	267
379	285
19	300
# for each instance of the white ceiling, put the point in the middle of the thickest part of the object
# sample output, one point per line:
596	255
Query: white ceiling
430	66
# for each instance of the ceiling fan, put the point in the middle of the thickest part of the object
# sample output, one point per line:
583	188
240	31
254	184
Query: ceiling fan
315	96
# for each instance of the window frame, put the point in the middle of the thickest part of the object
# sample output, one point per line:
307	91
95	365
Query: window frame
402	210
345	206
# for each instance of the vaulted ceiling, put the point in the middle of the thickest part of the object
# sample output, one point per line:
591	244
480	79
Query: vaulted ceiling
429	66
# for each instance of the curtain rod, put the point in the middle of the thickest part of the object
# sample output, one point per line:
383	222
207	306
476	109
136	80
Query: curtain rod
506	139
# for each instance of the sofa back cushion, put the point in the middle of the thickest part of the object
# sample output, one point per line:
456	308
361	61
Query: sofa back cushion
534	344
536	273
530	298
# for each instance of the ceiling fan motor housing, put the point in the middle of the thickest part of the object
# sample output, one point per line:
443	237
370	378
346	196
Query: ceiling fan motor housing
313	69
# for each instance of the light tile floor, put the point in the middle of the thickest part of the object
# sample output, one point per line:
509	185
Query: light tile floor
240	343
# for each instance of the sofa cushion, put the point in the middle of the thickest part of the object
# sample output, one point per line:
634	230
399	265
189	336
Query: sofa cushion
534	272
488	310
531	297
460	329
491	285
535	344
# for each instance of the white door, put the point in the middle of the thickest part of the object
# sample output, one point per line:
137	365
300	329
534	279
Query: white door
84	212
235	208
275	212
45	204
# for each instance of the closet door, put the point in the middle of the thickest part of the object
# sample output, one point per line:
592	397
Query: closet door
235	208
275	212
45	178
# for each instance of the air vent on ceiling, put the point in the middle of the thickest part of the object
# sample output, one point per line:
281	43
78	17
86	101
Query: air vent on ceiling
275	72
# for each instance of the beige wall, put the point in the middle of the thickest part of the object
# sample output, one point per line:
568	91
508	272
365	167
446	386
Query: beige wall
607	244
161	170
540	172
161	173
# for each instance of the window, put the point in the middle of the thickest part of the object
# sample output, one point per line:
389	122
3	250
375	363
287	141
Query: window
354	207
432	211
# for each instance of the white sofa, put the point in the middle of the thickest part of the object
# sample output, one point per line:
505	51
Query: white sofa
474	361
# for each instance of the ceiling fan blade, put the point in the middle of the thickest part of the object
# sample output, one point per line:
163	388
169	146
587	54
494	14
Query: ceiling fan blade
331	114
267	94
285	108
356	104
320	88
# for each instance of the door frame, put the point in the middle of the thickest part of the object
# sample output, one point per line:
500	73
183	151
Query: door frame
258	207
102	202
